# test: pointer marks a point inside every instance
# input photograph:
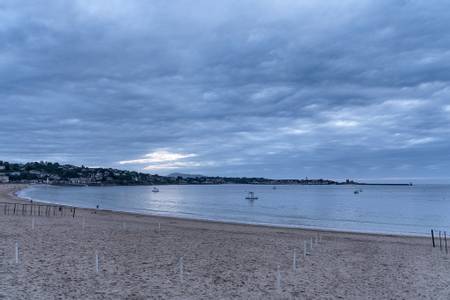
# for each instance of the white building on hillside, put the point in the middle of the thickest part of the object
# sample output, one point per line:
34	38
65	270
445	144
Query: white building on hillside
4	179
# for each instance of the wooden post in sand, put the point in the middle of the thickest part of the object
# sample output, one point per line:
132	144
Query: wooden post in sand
432	238
73	215
83	223
180	266
96	261
294	262
440	241
278	279
445	239
159	227
32	223
17	252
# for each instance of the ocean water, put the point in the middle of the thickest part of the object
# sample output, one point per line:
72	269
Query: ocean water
381	209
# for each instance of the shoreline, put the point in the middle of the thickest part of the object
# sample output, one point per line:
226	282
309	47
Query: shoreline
227	222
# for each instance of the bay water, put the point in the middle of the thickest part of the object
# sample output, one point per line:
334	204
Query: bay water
412	210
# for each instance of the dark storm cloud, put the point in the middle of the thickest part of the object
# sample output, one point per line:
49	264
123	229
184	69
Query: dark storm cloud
262	88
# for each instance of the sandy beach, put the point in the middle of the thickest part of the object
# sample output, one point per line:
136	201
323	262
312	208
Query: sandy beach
140	259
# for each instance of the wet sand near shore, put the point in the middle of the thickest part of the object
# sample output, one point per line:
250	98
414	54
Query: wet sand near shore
137	259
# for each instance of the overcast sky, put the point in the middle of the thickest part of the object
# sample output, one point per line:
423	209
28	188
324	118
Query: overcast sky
333	89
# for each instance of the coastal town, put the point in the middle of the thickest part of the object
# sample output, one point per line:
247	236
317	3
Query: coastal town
66	174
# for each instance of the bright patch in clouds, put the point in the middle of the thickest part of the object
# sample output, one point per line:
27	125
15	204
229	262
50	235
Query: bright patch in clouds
173	165
420	141
158	157
344	123
167	160
405	103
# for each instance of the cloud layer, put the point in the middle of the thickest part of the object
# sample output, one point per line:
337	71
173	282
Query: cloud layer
237	88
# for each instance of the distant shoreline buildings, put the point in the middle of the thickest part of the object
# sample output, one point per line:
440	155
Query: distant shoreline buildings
57	174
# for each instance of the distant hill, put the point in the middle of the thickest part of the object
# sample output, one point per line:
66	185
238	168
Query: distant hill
57	174
184	175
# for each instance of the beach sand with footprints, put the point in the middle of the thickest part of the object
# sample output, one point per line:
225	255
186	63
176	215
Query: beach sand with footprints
144	257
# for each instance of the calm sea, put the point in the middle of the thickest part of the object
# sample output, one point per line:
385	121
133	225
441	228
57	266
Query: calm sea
383	209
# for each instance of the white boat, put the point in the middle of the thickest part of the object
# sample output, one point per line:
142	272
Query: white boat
155	190
251	196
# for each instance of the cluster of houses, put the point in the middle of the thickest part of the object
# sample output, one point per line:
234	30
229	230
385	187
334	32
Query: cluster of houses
3	177
54	173
49	173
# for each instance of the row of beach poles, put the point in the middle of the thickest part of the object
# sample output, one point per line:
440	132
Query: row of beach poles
83	225
180	264
23	209
442	240
307	250
308	247
97	262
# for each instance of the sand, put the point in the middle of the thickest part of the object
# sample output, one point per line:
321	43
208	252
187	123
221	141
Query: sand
220	261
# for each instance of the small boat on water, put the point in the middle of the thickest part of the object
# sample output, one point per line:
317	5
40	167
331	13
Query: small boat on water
251	196
356	192
155	190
